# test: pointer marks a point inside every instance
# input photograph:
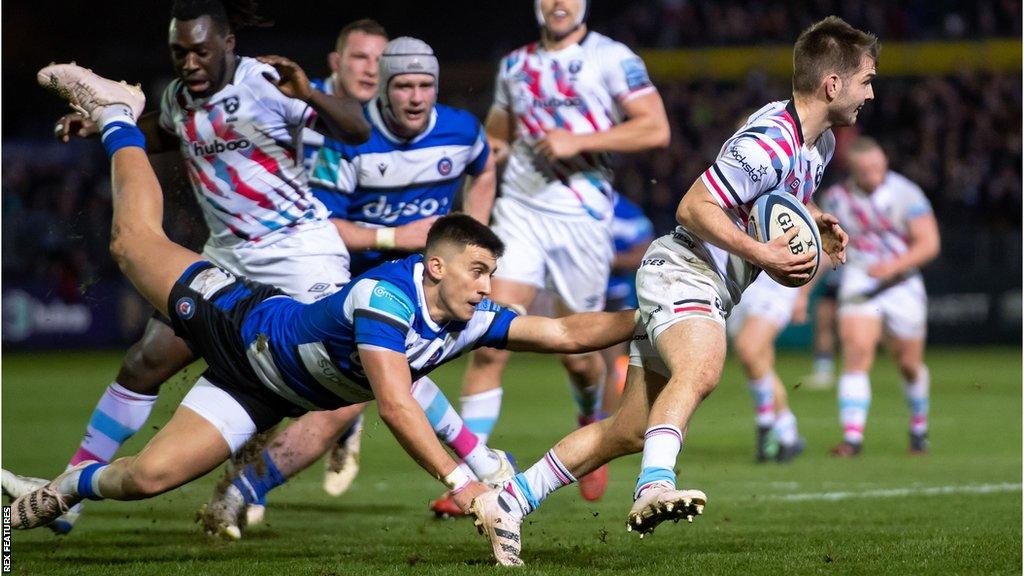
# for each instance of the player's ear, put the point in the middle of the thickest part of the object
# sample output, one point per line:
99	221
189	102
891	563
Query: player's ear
334	61
833	84
229	43
435	267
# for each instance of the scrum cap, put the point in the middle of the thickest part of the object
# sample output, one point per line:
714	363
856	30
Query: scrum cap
405	55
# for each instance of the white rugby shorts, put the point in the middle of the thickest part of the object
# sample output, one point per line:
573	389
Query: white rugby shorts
308	264
673	285
222	411
572	257
902	307
767	299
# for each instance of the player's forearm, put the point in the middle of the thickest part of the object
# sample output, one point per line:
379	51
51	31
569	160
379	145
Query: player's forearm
634	135
357	238
592	331
341	116
919	254
701	216
410	426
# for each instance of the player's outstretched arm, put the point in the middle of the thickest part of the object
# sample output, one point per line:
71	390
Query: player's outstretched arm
341	117
388	373
573	334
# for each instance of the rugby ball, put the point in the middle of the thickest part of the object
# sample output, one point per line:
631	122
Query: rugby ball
775	214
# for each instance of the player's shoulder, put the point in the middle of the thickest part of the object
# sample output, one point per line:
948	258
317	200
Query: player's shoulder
513	60
457	118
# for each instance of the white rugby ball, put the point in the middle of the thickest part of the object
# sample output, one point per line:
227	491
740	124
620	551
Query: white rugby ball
775	214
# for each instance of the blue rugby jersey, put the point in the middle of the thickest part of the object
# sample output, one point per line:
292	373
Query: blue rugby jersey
307	353
388	181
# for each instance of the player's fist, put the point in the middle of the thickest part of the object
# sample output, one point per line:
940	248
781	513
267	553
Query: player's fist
74	125
557	144
291	78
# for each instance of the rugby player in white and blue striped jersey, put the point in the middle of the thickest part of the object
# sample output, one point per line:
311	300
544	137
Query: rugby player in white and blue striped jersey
271	356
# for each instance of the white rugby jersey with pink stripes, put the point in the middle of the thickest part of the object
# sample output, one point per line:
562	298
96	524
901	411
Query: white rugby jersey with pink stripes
580	88
766	154
877	222
239	148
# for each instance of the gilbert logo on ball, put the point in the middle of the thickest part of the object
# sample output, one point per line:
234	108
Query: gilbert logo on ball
775	214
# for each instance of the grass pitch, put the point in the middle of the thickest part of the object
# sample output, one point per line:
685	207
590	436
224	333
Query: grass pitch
956	511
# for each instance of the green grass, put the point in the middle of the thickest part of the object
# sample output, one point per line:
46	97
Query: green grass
381	526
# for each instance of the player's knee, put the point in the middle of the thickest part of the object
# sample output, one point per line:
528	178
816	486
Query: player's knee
910	369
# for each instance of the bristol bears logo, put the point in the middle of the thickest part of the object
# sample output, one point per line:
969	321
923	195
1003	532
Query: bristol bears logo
444	166
231	104
185	307
575	66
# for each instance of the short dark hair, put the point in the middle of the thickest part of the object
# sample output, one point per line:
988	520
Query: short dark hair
464	230
364	25
830	45
229	15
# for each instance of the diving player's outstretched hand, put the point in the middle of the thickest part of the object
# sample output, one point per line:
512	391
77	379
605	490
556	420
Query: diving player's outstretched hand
74	125
291	81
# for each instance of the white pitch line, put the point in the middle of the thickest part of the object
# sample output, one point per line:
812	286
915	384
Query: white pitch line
899	492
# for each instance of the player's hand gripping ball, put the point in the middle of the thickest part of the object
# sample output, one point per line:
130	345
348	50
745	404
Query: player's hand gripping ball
775	214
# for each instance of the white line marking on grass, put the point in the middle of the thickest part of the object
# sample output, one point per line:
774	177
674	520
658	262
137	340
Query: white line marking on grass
899	492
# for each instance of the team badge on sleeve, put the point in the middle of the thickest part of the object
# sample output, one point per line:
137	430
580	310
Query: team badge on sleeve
185	307
636	73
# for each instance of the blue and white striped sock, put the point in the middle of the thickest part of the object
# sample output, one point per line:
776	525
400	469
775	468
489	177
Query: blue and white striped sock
530	488
480	412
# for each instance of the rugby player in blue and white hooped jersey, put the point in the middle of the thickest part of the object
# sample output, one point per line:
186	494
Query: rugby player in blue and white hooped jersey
690	279
410	170
893	233
234	119
272	356
561	104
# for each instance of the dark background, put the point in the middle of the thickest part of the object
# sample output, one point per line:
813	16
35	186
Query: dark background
957	134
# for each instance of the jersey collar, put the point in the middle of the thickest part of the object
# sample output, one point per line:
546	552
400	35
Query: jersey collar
791	108
417	280
373	106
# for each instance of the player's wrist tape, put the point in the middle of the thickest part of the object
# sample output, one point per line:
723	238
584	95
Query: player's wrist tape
456	480
118	135
385	238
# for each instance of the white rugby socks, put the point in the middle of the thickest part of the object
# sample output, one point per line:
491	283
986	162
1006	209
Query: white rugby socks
854	401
